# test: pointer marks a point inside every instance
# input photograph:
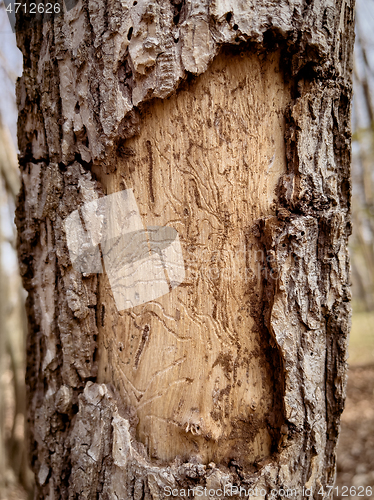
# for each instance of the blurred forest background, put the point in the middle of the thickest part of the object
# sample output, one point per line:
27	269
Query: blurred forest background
356	447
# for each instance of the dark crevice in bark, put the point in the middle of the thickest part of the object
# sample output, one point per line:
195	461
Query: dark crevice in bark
179	11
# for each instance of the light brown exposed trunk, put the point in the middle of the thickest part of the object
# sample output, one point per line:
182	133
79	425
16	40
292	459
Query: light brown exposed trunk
229	123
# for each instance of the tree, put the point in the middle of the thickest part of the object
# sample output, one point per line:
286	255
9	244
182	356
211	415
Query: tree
14	460
228	122
361	243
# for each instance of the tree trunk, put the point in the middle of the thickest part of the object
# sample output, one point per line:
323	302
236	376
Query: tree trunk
190	331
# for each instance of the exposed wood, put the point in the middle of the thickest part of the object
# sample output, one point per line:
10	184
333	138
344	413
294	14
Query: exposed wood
195	363
87	129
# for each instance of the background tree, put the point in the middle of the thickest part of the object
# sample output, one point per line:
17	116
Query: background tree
362	168
231	124
14	459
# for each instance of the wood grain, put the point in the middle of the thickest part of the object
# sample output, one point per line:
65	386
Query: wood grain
193	363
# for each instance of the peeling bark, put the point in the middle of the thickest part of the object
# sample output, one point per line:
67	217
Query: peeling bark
86	104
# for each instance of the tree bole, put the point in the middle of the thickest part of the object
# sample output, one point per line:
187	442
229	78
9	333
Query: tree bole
229	123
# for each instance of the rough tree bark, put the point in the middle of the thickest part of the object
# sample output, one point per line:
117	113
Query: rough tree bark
230	122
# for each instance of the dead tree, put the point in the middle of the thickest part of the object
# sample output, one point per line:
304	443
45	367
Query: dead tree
229	122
